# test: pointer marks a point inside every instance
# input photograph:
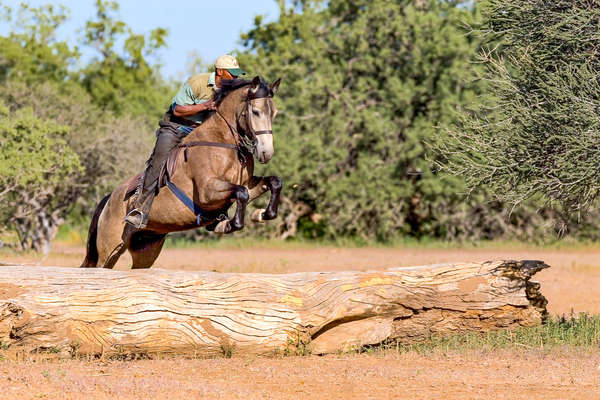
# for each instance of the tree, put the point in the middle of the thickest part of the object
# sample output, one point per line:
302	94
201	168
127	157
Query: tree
539	130
124	81
366	84
30	52
34	162
45	93
109	149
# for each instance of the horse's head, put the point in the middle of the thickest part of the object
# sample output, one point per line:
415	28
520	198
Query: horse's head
259	114
254	111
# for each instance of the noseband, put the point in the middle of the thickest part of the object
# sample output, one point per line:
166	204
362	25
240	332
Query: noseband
252	133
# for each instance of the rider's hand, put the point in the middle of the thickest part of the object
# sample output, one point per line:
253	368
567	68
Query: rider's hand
210	105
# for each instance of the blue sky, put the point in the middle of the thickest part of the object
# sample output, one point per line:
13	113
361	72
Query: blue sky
208	28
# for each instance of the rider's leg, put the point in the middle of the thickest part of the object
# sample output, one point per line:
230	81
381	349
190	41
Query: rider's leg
167	138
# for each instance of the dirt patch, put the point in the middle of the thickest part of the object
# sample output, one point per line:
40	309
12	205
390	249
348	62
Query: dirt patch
474	375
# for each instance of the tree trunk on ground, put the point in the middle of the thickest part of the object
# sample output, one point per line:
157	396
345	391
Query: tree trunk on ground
106	312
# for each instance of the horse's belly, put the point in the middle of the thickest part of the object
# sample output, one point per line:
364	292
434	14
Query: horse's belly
169	214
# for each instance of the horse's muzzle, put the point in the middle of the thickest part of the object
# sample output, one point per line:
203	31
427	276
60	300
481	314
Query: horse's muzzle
264	147
264	157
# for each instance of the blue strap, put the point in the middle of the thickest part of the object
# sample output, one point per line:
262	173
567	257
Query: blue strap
189	203
185	129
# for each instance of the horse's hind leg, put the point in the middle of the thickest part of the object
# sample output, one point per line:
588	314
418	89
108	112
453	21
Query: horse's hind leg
110	228
145	248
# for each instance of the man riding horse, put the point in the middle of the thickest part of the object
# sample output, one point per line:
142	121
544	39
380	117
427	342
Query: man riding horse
204	154
190	107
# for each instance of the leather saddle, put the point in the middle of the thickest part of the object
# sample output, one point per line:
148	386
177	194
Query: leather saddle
167	169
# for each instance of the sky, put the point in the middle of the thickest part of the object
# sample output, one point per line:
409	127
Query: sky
208	28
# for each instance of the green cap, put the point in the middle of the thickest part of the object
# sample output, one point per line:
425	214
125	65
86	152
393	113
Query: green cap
229	63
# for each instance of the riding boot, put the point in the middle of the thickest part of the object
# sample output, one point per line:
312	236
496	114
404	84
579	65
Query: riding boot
138	216
168	136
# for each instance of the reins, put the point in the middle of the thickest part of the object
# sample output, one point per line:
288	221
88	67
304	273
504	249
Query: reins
242	141
207	144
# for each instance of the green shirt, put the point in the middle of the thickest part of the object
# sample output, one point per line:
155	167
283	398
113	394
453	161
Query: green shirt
196	90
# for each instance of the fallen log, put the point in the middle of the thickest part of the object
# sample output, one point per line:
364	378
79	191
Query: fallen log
103	312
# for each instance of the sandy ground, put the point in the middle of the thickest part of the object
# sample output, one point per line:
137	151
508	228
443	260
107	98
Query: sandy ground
451	376
572	283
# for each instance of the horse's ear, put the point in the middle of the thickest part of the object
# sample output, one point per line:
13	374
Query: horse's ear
255	84
275	86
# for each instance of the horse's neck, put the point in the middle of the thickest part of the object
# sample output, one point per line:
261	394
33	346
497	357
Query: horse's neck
216	128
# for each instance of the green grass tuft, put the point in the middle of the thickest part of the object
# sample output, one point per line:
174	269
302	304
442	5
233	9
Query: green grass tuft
581	331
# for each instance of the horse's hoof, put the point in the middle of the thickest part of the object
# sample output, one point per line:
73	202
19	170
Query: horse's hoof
257	215
223	227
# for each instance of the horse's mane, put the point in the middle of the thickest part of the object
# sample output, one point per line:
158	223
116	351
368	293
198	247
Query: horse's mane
229	85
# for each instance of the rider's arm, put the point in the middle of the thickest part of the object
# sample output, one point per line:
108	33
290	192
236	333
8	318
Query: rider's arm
185	111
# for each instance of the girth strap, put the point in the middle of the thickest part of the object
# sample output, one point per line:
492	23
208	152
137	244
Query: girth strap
263	133
195	208
189	203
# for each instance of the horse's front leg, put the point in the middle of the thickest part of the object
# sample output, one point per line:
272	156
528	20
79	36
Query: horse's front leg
240	195
259	185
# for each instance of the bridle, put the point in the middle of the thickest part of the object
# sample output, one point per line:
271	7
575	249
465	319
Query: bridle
246	114
246	140
246	137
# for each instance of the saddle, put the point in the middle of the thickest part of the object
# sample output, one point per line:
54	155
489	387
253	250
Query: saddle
169	166
167	169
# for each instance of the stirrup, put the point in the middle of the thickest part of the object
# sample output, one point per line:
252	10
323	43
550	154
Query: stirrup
132	214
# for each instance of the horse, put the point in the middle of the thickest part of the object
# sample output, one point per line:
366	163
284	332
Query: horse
213	168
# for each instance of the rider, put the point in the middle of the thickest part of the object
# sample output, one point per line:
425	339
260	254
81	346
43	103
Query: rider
191	106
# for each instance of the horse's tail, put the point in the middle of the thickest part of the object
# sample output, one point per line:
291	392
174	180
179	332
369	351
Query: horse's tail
91	257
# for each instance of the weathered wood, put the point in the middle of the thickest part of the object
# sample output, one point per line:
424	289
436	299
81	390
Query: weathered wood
97	311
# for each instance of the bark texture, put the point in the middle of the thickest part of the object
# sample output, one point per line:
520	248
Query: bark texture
103	312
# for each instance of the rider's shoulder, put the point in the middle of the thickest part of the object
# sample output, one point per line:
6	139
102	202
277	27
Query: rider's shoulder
198	79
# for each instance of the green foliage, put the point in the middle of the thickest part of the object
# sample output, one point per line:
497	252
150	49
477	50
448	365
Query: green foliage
227	349
539	130
124	81
34	162
34	151
365	85
75	149
109	147
30	52
105	158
